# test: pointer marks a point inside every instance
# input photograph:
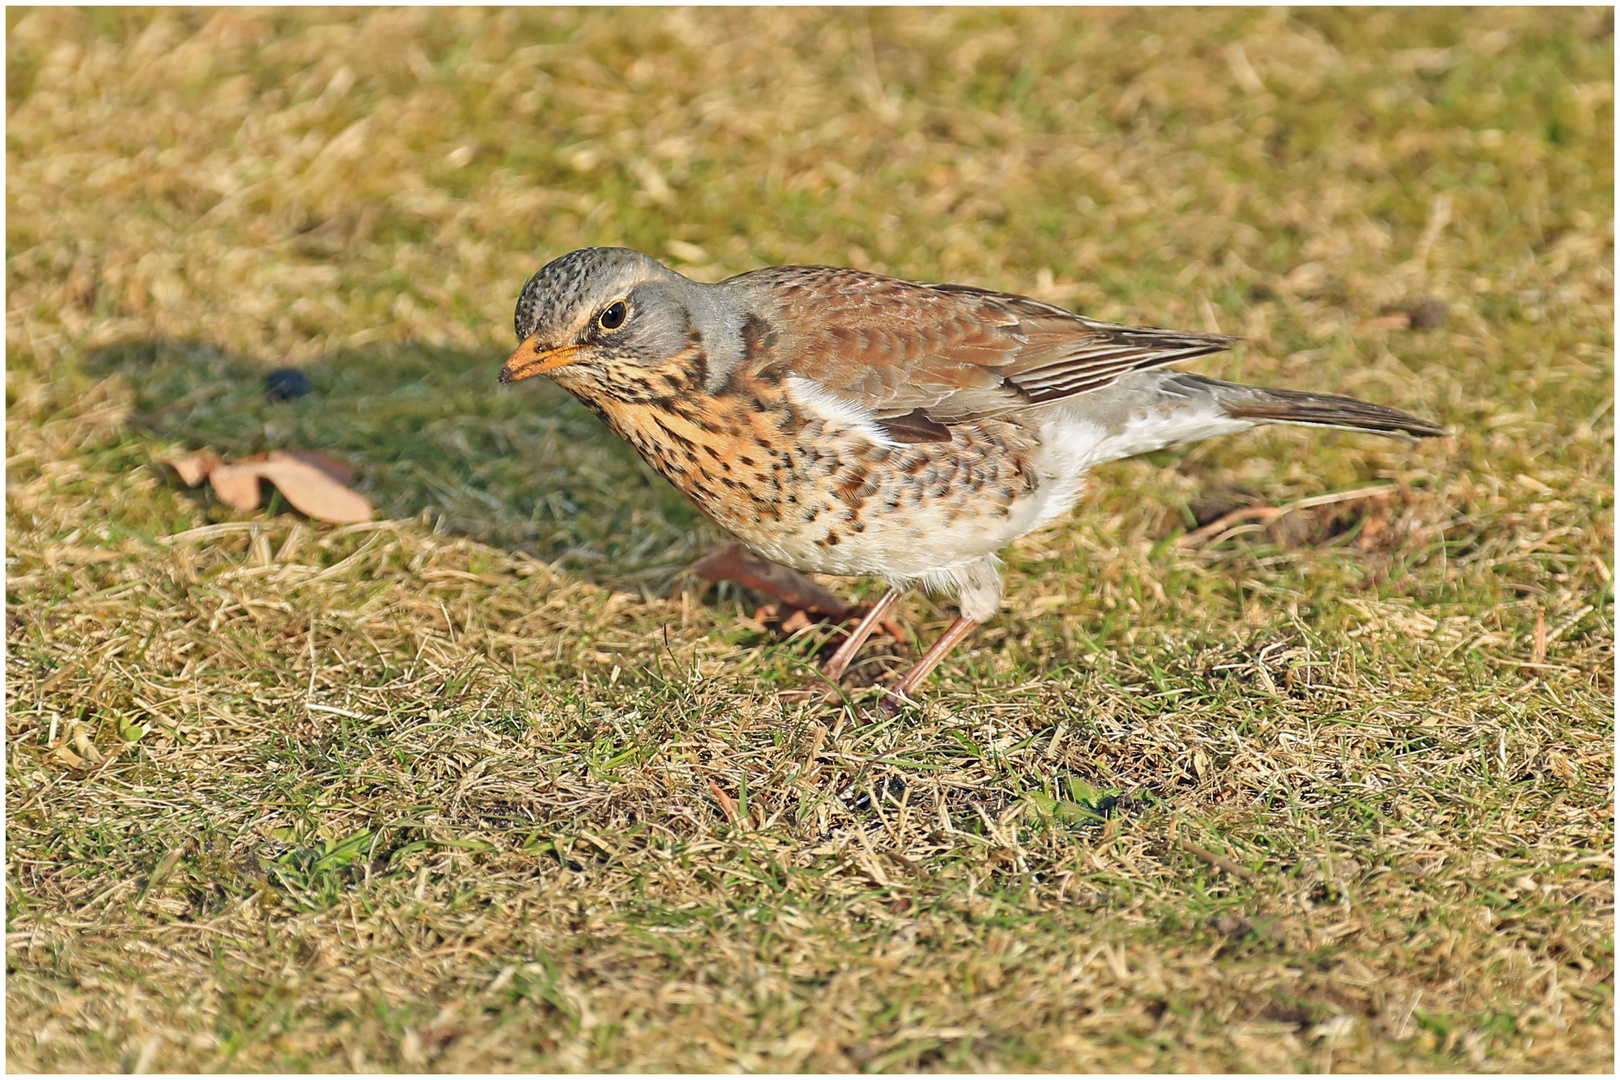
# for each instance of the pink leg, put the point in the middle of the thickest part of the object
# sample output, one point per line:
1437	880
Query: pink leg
857	637
961	628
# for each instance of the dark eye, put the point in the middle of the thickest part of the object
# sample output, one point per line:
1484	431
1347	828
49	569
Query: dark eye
613	315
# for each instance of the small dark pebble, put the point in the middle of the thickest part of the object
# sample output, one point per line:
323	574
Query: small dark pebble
284	384
1427	314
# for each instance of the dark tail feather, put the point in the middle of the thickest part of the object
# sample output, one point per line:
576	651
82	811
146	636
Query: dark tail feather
1317	410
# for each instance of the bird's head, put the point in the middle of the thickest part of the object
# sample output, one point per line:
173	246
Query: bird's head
600	321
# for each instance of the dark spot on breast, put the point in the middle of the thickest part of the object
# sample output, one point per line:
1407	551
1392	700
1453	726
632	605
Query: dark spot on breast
677	439
855	487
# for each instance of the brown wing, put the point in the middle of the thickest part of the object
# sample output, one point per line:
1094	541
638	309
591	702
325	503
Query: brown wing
952	352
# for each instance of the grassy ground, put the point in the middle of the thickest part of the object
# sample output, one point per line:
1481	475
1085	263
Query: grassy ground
490	785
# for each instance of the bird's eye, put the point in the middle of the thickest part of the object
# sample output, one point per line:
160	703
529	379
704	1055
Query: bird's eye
613	316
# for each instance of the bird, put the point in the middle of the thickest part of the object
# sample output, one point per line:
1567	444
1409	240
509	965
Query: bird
842	422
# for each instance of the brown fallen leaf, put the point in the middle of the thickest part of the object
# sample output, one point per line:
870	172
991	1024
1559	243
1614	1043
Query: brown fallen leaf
799	620
236	485
798	597
195	469
733	562
341	471
313	491
313	483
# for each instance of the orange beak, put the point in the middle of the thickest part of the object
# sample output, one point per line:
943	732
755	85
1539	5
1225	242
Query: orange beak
530	358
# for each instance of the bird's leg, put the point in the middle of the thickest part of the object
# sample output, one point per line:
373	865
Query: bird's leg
961	628
857	637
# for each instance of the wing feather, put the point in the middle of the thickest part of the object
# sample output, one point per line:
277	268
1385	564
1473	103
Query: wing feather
949	353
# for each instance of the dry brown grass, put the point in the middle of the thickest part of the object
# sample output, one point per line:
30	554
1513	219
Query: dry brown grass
489	785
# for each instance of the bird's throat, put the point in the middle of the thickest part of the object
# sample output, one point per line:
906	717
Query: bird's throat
627	382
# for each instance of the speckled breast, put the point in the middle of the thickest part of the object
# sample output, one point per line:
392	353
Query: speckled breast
822	497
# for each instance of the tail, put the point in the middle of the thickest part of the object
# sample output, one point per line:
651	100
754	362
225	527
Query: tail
1149	410
1260	406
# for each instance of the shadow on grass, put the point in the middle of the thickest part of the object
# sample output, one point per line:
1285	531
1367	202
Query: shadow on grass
525	467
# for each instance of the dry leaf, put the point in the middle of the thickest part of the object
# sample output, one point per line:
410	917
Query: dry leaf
313	491
799	597
314	483
195	469
341	471
735	563
237	485
799	620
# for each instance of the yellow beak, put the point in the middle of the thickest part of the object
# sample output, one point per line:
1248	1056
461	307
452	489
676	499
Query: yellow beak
530	359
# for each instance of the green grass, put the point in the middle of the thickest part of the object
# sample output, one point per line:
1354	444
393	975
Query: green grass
489	784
